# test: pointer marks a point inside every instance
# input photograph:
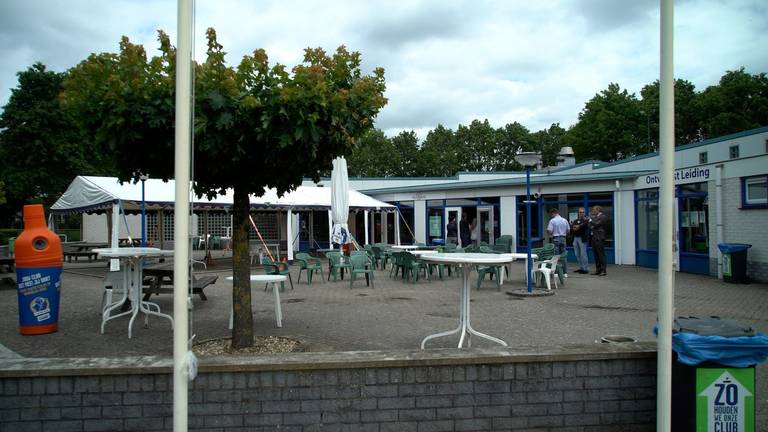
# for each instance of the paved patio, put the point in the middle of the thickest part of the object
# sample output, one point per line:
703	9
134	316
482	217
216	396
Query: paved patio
329	316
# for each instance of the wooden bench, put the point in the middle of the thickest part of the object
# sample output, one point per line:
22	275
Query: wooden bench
155	285
77	254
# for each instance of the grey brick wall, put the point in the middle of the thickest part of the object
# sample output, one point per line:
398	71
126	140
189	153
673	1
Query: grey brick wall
570	395
739	226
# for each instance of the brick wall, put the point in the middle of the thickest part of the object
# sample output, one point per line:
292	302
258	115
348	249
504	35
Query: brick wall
595	388
741	226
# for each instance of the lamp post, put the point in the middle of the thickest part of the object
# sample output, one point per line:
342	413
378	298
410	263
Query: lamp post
528	160
143	178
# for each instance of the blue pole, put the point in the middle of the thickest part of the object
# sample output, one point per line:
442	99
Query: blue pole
528	225
143	218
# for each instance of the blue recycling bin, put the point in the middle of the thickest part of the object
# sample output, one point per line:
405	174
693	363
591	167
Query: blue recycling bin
713	374
734	262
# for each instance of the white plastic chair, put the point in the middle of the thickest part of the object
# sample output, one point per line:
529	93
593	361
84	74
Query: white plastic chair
547	269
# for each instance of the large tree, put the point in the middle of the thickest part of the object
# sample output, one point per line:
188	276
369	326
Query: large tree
440	154
549	142
257	125
610	127
41	148
687	114
739	102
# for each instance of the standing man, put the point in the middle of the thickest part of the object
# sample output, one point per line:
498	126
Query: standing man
558	229
451	231
464	232
580	227
598	225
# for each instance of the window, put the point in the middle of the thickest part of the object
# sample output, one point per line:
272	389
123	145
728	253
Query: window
702	157
733	152
754	192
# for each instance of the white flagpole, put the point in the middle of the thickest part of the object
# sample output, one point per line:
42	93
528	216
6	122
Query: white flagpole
666	221
181	215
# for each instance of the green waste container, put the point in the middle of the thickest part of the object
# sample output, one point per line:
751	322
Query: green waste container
734	261
713	375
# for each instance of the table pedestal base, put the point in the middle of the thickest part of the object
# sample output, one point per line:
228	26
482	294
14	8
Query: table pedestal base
465	328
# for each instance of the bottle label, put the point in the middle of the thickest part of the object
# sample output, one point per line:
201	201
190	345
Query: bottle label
38	290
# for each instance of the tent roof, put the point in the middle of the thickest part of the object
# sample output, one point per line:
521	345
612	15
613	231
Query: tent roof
87	193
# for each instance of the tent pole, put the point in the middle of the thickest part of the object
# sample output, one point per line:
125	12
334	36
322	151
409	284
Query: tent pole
330	229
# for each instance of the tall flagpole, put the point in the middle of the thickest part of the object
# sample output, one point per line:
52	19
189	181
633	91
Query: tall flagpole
181	215
666	221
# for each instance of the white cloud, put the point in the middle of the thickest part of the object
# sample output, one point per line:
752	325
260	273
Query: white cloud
446	62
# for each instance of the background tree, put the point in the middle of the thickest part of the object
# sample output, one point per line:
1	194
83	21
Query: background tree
371	155
739	102
257	126
404	160
549	142
687	114
610	127
41	149
440	155
513	138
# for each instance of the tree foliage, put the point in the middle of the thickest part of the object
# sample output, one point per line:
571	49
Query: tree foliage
41	149
256	126
739	102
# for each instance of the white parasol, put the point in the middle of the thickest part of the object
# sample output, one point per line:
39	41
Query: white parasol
340	201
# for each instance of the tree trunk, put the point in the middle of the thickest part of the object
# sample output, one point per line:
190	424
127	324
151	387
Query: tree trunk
242	330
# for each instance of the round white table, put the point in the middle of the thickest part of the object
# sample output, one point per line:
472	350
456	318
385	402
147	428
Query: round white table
132	259
268	279
466	260
422	252
405	247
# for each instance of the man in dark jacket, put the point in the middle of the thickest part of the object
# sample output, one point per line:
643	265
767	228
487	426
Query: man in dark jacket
464	231
598	226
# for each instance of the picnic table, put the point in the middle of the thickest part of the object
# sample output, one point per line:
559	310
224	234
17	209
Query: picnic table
158	279
81	249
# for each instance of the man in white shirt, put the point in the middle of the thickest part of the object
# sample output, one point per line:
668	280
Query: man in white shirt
558	229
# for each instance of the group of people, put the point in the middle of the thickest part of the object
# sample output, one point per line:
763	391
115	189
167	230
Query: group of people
465	231
592	229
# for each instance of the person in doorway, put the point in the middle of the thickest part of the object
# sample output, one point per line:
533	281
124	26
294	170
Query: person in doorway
451	231
464	231
580	230
558	229
474	230
598	226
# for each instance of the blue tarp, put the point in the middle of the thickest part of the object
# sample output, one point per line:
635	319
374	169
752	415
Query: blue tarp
733	247
741	351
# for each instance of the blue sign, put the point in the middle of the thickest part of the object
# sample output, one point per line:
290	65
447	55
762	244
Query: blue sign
39	290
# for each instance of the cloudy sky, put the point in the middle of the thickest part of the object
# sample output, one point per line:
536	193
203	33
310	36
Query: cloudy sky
446	62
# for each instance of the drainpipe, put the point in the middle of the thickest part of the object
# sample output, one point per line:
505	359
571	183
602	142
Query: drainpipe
719	216
617	233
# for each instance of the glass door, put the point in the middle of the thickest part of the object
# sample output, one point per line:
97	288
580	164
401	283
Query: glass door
485	225
453	222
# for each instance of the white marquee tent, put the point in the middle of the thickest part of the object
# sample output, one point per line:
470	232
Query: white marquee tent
88	194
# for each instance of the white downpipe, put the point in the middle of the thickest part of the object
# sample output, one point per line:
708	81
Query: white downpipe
330	229
719	216
366	227
289	234
181	215
397	228
666	220
617	215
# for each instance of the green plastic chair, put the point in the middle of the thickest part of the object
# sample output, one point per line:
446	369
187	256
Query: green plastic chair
413	266
335	264
397	264
360	265
494	271
309	265
276	268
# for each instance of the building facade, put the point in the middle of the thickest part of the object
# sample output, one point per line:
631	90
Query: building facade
721	190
